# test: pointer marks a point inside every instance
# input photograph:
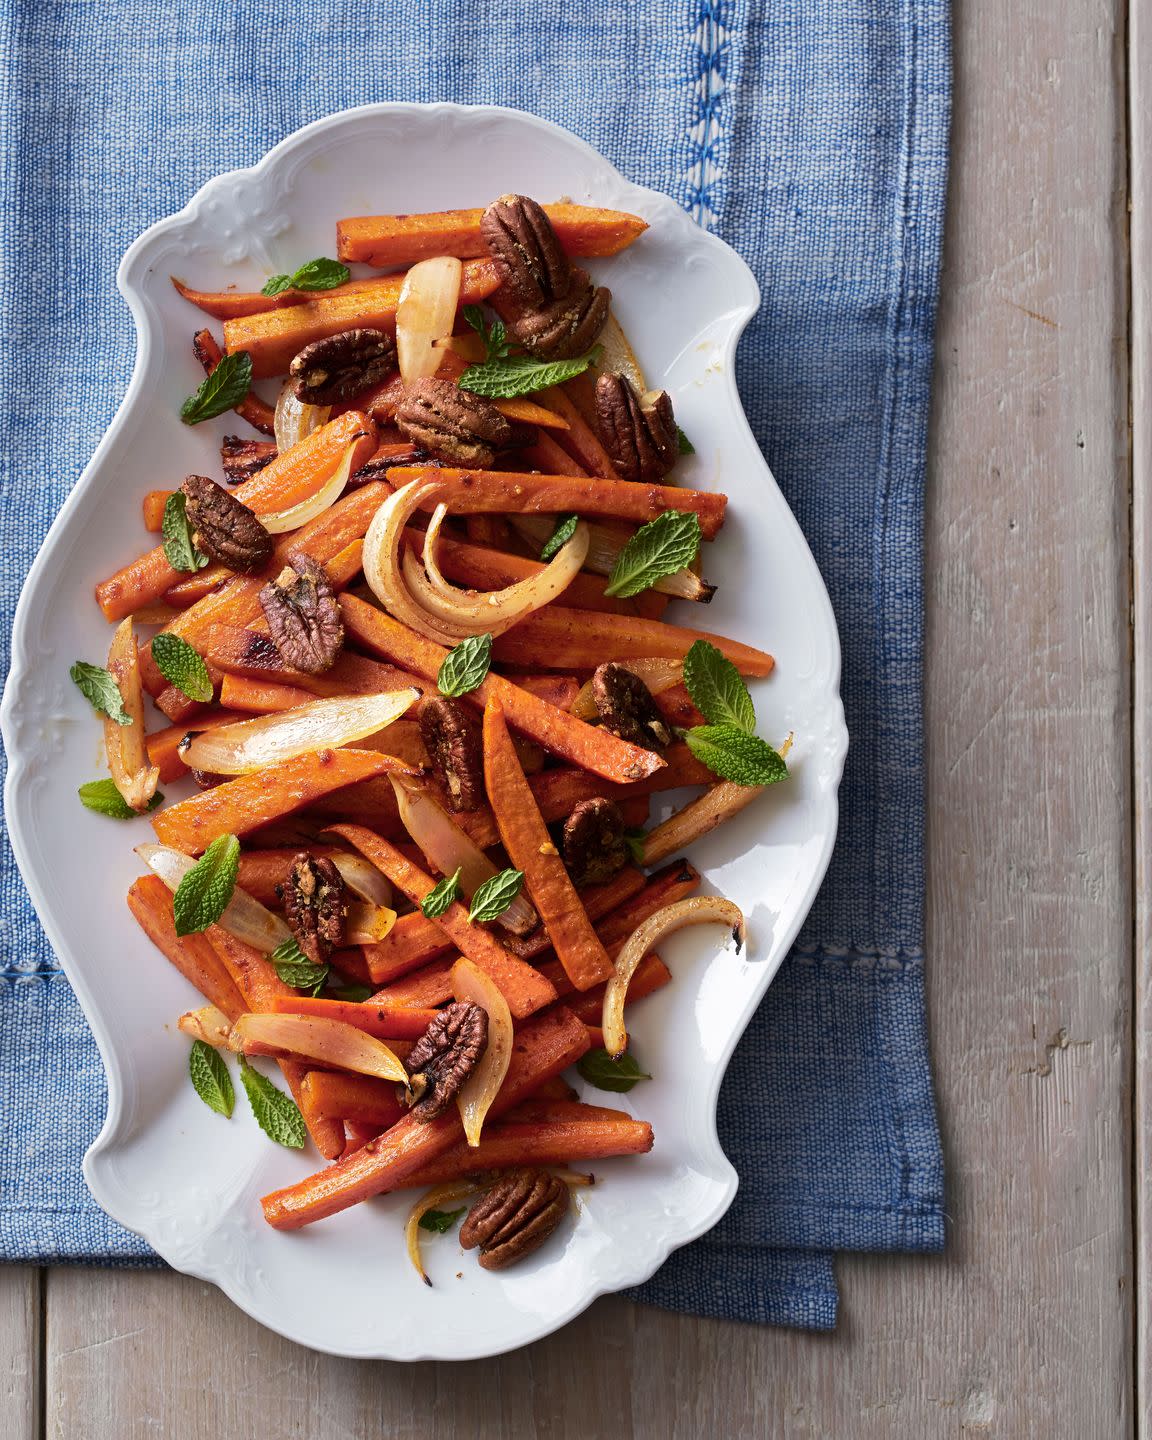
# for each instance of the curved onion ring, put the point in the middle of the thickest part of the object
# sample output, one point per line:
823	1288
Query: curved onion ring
364	880
700	910
469	983
296	418
449	849
432	1200
315	1037
296	515
249	745
381	558
243	916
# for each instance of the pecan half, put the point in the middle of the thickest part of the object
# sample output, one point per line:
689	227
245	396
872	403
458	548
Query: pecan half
303	616
528	255
225	530
452	424
315	905
444	1057
639	432
593	843
566	327
340	366
626	707
514	1217
452	738
244	458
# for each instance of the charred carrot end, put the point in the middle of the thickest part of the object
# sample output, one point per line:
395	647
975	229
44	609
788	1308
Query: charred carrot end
153	509
150	902
525	990
541	1049
275	337
557	731
559	1140
250	801
388	240
526	838
385	1022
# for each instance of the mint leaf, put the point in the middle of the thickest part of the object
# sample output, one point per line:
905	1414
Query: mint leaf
599	1069
735	755
321	274
179	547
295	969
635	840
203	894
490	900
683	444
465	666
275	1112
210	1078
440	1221
440	897
560	536
356	993
505	377
182	666
717	689
224	389
100	690
103	797
659	548
495	338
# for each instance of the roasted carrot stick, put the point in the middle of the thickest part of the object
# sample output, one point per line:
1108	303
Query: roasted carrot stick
581	640
556	730
259	414
388	240
580	440
371	803
526	839
258	982
150	901
508	492
259	697
542	1048
651	975
385	1022
233	304
250	801
289	478
520	985
599	902
361	1098
538	1142
427	987
411	943
555	1089
558	690
275	337
153	509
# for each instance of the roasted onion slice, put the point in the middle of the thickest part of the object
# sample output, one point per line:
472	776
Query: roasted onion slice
470	983
314	1037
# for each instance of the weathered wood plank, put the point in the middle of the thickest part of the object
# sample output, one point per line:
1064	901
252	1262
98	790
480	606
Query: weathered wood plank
20	1358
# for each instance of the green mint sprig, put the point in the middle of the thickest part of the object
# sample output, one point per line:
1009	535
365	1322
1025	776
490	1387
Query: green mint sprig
657	550
203	894
103	797
357	994
494	336
727	744
295	969
440	897
440	1221
560	536
100	690
465	666
179	547
182	666
319	274
515	375
276	1113
210	1078
224	389
491	899
683	444
599	1069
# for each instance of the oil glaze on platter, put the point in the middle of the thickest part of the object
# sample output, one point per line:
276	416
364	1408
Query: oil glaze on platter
164	1165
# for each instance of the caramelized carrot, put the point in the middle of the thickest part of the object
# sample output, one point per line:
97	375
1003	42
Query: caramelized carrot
520	985
558	690
389	240
651	975
234	304
540	1142
259	414
529	847
360	1098
411	943
556	730
276	336
429	986
599	901
580	440
509	492
259	697
150	901
385	1022
153	509
250	801
542	1048
548	456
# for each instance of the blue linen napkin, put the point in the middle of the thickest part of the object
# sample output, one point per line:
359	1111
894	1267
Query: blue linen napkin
811	137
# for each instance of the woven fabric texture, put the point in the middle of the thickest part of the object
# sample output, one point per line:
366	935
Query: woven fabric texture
814	139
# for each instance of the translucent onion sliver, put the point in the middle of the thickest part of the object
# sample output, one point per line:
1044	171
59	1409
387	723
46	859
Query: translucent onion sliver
281	521
296	419
470	983
244	917
314	1037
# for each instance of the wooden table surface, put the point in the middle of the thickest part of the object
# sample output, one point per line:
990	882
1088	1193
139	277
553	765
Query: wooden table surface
1040	838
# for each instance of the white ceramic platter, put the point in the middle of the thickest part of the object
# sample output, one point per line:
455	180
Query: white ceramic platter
164	1165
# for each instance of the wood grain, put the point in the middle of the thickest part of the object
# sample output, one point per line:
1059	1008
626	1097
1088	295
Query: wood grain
20	1357
1025	1328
